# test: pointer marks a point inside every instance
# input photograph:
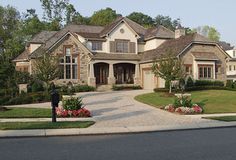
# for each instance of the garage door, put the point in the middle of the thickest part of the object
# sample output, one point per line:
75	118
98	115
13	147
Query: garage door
148	80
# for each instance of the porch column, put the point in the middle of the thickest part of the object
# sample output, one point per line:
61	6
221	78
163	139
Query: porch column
91	78
137	75
111	79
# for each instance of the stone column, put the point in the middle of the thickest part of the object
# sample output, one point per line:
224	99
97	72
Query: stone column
137	75
111	79
91	78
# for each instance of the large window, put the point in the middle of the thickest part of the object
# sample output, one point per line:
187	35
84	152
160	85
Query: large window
122	46
68	65
96	45
205	72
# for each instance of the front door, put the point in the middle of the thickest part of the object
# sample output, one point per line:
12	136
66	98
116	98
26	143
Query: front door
101	73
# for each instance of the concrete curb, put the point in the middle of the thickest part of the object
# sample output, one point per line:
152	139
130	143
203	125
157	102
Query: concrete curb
111	130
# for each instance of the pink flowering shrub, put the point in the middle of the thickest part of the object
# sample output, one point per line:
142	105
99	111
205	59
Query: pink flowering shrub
82	112
194	109
72	107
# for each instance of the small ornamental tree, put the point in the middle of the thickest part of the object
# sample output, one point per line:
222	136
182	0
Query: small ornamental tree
169	68
46	69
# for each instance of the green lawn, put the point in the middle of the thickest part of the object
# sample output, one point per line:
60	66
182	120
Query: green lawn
43	125
26	113
223	118
218	101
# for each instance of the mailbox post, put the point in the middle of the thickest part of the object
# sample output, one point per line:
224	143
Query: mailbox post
54	102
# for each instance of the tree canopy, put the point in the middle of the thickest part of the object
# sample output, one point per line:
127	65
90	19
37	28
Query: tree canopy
142	19
209	32
103	17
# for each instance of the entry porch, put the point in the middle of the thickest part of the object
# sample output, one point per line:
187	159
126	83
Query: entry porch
111	72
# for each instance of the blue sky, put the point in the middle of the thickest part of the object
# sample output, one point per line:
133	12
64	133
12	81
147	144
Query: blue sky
217	13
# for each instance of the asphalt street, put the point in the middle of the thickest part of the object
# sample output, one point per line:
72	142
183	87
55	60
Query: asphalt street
206	144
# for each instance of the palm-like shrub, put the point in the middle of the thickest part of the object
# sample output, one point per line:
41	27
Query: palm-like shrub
72	103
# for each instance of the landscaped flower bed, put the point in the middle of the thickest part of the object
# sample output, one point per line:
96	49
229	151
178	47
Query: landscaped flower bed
183	105
72	107
82	112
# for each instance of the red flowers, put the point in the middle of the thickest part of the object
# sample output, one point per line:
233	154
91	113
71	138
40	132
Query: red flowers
73	113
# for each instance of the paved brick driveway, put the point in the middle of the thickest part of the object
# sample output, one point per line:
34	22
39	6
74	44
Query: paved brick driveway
119	109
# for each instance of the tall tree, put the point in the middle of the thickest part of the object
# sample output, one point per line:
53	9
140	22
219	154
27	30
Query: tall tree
166	21
70	13
103	17
169	68
31	24
79	19
54	10
142	19
46	69
208	31
9	25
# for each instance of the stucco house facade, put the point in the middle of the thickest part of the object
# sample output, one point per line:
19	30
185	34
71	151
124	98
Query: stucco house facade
122	53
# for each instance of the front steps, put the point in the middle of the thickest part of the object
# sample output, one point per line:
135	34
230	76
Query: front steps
104	88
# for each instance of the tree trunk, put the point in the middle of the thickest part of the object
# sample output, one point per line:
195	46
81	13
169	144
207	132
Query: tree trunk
170	88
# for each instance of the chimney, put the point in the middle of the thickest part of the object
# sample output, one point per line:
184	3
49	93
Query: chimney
179	31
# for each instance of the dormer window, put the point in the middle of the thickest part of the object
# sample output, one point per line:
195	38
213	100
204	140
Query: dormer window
96	45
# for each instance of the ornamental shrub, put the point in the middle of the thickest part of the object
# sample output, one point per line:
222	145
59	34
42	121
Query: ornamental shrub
72	103
37	87
190	82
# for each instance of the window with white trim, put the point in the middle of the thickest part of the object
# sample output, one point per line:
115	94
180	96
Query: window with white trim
69	65
205	72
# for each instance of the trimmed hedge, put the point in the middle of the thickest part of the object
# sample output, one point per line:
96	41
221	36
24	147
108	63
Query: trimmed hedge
208	83
161	90
123	87
84	88
27	98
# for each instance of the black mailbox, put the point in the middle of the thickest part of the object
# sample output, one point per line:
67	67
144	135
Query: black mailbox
55	98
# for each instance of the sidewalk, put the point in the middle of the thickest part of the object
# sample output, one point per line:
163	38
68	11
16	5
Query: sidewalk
110	130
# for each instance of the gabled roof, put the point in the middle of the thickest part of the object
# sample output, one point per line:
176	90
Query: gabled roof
49	45
140	30
159	32
205	56
42	37
225	46
175	45
23	56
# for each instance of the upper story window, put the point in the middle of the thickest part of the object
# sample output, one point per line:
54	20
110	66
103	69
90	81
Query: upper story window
230	67
96	45
122	46
233	53
69	65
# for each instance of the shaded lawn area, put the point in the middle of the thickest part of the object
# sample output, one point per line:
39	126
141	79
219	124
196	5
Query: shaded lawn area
44	125
223	118
218	101
26	113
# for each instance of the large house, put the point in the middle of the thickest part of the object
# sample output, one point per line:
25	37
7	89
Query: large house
123	53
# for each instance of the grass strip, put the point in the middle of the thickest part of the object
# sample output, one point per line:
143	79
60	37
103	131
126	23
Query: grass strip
44	125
